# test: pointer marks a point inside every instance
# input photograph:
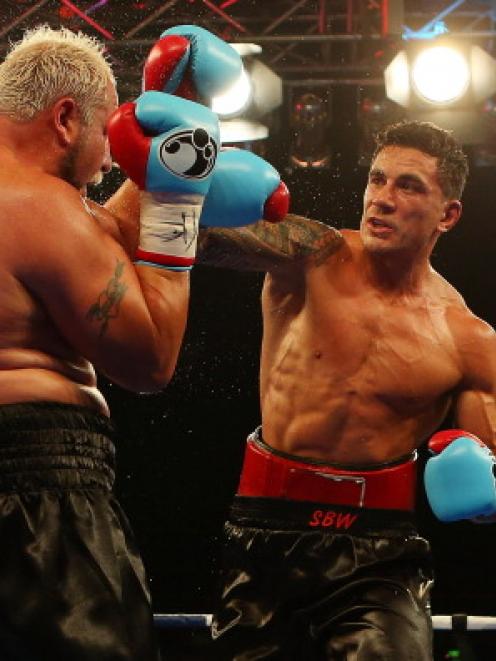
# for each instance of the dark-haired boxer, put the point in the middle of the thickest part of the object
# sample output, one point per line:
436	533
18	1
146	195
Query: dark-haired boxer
75	296
365	349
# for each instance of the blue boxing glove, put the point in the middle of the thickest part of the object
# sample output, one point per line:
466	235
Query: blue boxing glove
191	62
244	189
459	480
168	147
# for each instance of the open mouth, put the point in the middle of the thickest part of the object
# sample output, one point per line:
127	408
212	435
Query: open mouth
378	225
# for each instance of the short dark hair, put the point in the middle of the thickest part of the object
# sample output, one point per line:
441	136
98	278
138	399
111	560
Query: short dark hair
452	163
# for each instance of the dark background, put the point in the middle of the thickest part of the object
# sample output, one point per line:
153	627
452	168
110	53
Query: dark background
180	452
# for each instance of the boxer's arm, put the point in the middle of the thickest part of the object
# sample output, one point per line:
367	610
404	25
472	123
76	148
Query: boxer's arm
263	246
474	407
124	205
127	320
118	220
475	403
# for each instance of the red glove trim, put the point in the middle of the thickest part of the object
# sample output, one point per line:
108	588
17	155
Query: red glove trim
165	260
161	63
277	205
129	146
442	439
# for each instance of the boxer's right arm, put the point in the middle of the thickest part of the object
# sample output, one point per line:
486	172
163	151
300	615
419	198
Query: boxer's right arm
264	246
130	325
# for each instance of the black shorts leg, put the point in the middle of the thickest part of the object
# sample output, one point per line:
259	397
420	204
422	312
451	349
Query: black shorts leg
289	595
385	621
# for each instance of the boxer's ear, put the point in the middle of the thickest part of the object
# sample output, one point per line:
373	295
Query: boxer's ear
66	119
452	213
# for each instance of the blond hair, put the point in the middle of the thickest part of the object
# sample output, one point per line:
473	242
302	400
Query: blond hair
48	64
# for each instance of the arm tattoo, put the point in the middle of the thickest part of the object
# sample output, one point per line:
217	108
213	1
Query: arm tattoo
108	302
300	237
264	246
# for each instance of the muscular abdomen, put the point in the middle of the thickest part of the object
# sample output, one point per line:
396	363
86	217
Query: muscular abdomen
345	378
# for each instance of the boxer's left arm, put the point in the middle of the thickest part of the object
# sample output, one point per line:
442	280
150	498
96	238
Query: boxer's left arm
460	478
474	405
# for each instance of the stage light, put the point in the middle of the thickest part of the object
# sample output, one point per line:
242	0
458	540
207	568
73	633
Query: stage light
254	95
310	121
242	130
440	75
443	74
235	99
444	82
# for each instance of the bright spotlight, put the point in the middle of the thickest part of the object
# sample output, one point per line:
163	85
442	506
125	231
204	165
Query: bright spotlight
445	83
444	74
440	74
235	99
256	93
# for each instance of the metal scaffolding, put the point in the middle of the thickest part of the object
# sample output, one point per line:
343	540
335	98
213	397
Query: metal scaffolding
328	40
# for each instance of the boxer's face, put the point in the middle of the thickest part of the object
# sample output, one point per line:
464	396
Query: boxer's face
90	157
404	207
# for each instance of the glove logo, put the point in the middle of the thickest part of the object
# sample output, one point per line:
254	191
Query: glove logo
189	153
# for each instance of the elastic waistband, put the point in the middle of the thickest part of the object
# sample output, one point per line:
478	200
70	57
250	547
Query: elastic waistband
45	445
278	514
267	473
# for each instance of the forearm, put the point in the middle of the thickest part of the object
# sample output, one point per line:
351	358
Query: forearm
166	294
124	205
235	248
265	246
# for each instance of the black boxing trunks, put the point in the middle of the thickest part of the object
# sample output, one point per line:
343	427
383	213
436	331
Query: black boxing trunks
335	576
72	584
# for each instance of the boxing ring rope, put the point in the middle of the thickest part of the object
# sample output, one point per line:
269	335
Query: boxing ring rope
455	622
182	620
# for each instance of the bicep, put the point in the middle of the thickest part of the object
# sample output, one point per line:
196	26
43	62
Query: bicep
91	294
475	401
475	411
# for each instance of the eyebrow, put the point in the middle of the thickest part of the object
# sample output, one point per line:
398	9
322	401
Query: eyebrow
409	176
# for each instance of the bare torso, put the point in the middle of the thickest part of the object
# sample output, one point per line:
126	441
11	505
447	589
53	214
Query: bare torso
36	363
351	374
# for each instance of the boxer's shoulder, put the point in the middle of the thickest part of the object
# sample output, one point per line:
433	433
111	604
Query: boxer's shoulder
475	345
476	336
45	217
33	189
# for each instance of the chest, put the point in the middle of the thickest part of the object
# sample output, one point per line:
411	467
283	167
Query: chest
397	351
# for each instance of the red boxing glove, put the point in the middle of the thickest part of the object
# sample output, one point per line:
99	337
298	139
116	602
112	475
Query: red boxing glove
129	144
161	64
277	206
191	62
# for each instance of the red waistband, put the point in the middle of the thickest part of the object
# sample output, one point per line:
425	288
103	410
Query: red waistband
271	475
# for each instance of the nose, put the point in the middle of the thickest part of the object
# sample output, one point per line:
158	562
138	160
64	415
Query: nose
383	198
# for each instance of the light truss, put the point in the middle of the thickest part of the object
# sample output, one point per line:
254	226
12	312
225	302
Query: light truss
328	40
